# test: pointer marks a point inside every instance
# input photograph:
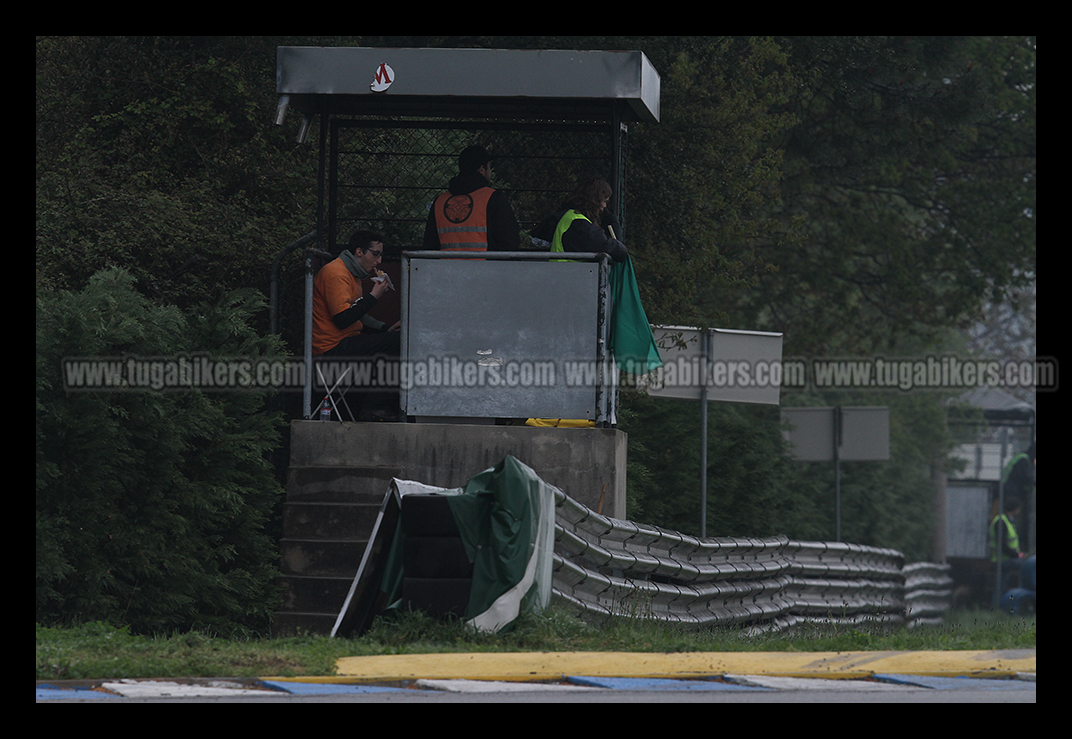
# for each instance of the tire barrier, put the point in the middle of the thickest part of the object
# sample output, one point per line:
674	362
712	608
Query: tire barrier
438	574
613	567
928	593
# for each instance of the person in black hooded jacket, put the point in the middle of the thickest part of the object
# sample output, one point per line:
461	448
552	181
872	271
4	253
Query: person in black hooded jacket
472	215
583	223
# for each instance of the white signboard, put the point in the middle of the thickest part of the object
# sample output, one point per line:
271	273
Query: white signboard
864	434
734	366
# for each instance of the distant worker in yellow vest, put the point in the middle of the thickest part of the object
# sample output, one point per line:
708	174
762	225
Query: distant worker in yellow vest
472	215
1004	538
1019	475
1004	527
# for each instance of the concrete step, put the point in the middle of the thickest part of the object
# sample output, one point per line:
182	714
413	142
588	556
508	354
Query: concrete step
322	520
328	484
322	595
328	517
352	464
321	557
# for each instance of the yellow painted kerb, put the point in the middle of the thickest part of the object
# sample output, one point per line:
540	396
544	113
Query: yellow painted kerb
555	665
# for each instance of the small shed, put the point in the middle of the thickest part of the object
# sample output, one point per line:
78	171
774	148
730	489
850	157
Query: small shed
992	426
391	123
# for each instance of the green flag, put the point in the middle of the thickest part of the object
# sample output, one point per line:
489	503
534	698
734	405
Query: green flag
631	339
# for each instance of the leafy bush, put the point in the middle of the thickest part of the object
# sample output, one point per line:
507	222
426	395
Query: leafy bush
152	506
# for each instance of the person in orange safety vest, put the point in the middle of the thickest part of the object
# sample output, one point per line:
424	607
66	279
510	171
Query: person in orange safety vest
472	215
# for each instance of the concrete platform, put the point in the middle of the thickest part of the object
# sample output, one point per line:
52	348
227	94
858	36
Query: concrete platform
339	473
578	461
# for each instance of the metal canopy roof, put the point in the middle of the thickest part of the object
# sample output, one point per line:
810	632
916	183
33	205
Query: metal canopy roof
482	83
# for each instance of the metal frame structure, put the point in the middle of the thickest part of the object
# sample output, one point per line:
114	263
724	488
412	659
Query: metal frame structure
453	94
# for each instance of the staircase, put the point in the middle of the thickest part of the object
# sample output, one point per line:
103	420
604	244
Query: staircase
340	472
327	520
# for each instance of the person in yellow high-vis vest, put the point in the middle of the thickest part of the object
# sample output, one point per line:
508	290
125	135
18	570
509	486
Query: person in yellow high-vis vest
1002	527
472	215
583	223
1005	542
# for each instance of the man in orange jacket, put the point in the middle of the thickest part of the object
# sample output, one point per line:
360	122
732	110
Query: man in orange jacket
342	325
472	215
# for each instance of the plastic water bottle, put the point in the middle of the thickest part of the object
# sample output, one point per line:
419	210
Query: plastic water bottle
325	410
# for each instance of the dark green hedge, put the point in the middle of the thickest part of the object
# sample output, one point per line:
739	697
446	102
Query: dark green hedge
152	506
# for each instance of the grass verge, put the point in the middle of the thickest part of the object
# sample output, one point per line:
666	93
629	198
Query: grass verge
99	651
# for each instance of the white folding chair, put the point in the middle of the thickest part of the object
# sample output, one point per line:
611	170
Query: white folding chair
342	396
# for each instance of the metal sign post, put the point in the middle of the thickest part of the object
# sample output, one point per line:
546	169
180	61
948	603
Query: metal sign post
716	364
706	355
852	434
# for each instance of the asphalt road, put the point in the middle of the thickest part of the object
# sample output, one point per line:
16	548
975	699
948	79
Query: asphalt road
846	691
1000	676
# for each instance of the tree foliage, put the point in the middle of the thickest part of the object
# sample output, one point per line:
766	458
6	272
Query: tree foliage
752	488
847	191
911	170
906	194
702	180
157	154
153	508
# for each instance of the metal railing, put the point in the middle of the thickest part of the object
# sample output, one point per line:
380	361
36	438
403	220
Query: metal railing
275	300
609	566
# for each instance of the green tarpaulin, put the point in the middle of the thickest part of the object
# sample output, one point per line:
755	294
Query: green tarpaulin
505	517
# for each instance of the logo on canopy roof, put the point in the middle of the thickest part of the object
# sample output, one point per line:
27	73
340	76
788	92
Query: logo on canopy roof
383	79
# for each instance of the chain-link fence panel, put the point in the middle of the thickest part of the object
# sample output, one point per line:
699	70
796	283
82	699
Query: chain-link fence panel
385	174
